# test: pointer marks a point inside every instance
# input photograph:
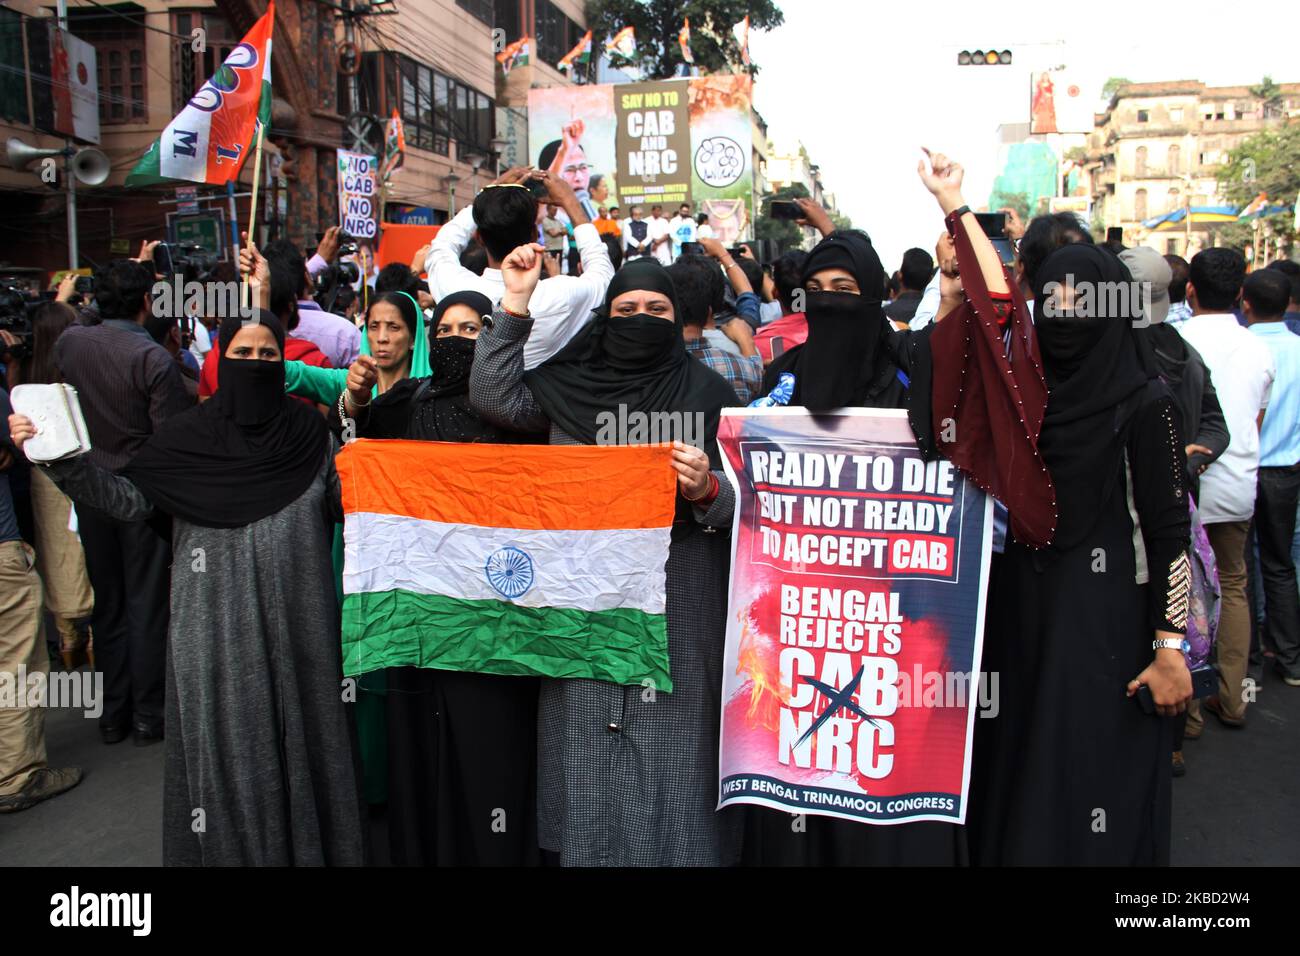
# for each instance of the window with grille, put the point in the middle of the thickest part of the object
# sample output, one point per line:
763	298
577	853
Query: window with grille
435	108
556	33
13	69
122	68
191	69
508	19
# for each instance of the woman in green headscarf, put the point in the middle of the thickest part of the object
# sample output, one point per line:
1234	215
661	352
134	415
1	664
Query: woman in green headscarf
395	340
325	385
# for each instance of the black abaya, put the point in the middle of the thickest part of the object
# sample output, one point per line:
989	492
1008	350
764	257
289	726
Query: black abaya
462	768
1071	771
874	371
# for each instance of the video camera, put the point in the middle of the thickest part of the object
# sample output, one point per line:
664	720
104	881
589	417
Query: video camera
338	275
347	244
187	259
15	318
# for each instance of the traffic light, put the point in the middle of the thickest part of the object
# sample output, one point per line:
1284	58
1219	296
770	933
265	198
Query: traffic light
984	58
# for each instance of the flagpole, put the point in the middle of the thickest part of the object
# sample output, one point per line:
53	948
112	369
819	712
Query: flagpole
252	205
234	221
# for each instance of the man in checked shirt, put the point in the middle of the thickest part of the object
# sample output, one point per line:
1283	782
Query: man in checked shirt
699	290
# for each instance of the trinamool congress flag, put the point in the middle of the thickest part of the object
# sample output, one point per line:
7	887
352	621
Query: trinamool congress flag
209	140
507	559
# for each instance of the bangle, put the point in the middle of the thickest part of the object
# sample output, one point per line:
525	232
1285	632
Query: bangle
730	263
355	404
513	314
1171	643
710	492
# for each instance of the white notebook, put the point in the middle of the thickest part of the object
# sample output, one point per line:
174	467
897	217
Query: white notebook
60	428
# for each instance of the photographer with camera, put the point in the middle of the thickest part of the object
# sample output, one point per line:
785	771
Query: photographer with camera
338	339
15	334
128	386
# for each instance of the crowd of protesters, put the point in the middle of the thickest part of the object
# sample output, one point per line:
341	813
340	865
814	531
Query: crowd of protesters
192	555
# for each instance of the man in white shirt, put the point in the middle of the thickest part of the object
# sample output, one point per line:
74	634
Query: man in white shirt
661	239
682	229
1242	369
505	215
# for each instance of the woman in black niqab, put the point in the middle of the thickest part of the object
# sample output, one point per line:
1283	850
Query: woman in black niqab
847	360
652	801
461	747
240	457
1071	627
256	731
636	361
1097	372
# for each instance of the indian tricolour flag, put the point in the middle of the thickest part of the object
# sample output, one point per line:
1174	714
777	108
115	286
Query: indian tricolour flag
516	54
209	140
581	53
622	43
507	559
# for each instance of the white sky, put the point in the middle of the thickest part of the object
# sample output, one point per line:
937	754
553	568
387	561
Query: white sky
865	84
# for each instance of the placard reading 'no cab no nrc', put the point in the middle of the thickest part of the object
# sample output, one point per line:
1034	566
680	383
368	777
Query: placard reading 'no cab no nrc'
358	193
856	618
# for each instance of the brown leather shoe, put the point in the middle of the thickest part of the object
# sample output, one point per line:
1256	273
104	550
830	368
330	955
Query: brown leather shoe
1213	706
1180	768
41	785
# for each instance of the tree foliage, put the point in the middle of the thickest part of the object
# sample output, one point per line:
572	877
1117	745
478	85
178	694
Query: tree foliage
784	232
1271	94
657	24
1112	86
1269	163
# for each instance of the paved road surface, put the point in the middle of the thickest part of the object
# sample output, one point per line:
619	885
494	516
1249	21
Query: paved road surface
1235	806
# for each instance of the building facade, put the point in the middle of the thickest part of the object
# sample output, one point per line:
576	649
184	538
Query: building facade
338	73
1156	150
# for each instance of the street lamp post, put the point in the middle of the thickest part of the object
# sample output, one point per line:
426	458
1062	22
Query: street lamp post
498	150
450	181
476	162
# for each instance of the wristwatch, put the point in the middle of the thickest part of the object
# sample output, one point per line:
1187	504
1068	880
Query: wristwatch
1173	643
